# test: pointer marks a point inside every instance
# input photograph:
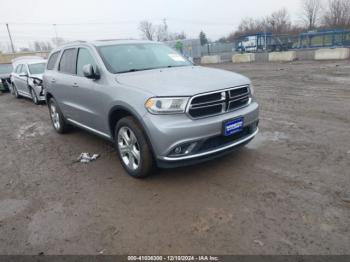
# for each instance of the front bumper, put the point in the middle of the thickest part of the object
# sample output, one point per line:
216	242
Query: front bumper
167	132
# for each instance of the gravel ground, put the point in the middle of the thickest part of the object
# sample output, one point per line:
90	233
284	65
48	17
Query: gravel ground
288	192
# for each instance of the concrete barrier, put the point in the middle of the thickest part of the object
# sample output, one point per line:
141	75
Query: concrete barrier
287	56
243	58
211	59
332	54
261	57
305	55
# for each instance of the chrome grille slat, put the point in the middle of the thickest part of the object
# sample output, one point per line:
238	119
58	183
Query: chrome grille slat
238	96
241	98
205	106
231	99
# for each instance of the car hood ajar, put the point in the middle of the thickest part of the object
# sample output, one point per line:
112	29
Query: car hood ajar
37	76
182	81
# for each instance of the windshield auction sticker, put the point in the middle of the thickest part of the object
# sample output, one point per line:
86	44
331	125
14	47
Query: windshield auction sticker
176	57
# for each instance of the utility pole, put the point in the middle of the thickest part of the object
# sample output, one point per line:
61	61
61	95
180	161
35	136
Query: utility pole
54	27
266	40
8	31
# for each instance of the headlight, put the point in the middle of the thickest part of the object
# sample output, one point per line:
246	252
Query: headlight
166	105
37	81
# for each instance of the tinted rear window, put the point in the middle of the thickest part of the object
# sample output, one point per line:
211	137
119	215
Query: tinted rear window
52	61
68	63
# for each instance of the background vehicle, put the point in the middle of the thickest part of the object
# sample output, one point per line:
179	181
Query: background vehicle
26	78
5	76
256	43
154	104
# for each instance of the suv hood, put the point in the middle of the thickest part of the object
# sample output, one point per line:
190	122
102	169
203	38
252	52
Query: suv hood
182	81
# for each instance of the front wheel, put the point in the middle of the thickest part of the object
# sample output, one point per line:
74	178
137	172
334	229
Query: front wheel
34	96
15	91
133	149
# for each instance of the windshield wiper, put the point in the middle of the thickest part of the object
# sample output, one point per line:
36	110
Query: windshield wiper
136	70
149	68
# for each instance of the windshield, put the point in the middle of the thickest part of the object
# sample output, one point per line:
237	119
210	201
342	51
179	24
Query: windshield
137	57
5	69
36	69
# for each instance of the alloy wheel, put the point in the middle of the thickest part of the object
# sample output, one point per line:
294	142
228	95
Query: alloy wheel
55	117
129	148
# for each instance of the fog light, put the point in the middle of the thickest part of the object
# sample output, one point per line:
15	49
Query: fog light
178	150
184	149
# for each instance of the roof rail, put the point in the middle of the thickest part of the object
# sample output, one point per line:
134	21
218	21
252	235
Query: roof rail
116	39
75	42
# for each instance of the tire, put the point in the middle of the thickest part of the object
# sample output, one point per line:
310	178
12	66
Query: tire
34	96
57	119
15	92
133	149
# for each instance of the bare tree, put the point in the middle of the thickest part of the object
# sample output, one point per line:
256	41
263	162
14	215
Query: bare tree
58	41
247	26
162	33
42	46
278	22
147	29
337	14
177	36
159	32
311	11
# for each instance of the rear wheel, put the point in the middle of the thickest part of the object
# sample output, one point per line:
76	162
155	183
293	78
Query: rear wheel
133	149
57	117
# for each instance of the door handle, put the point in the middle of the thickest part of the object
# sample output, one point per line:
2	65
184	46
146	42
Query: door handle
75	85
53	80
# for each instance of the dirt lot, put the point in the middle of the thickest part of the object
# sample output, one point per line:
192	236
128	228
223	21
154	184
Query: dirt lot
288	192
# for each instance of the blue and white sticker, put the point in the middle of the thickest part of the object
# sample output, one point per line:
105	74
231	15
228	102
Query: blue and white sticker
233	127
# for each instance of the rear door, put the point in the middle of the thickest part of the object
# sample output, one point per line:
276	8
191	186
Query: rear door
62	82
15	76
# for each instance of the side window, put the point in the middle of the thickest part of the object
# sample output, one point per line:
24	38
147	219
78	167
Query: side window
84	58
52	61
18	69
24	69
68	61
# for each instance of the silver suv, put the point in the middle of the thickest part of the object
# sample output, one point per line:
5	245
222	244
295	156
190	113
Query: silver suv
26	78
156	106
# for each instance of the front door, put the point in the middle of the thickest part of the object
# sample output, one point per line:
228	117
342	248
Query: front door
88	94
23	81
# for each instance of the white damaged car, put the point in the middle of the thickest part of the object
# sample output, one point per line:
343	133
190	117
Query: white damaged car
26	79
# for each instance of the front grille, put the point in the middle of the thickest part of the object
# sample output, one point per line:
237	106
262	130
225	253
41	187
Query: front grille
219	102
221	141
206	110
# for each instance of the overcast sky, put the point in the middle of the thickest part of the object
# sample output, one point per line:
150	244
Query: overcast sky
103	19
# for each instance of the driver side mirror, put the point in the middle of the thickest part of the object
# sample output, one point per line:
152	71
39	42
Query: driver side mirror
89	72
